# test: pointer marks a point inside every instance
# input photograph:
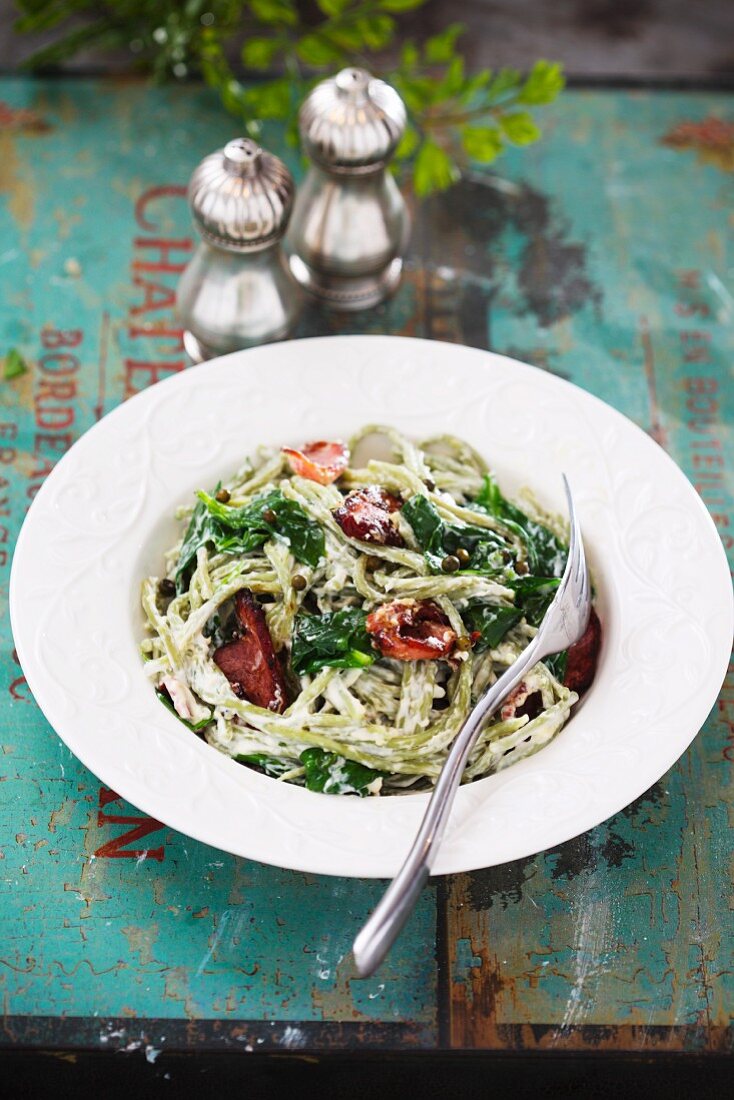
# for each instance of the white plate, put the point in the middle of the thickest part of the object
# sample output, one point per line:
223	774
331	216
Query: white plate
103	517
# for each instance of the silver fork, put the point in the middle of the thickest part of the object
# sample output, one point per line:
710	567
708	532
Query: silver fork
563	624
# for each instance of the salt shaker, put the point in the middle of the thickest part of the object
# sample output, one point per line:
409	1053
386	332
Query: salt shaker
237	290
350	225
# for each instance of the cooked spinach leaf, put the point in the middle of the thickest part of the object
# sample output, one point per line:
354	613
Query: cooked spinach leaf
241	530
428	528
333	774
166	700
218	632
247	528
201	529
546	554
437	539
271	765
534	596
557	664
338	640
491	623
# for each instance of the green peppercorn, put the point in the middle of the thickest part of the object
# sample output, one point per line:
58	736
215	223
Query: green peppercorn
463	643
166	588
521	567
223	496
450	564
463	555
269	516
299	582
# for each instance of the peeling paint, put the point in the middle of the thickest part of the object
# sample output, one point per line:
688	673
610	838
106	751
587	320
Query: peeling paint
21	196
63	815
712	139
140	941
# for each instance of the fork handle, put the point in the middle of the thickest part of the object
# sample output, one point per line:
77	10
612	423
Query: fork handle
379	933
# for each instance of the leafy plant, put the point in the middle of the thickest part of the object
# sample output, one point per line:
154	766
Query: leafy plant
456	118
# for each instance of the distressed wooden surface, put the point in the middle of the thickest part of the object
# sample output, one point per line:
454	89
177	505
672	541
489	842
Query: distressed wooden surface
603	255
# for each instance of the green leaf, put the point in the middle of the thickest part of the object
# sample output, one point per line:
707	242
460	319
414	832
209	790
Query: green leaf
476	83
14	365
428	528
333	7
409	55
534	595
437	539
417	91
99	35
314	49
544	82
506	80
401	5
275	12
258	53
199	531
546	553
242	530
491	623
333	774
453	80
337	640
434	169
377	30
217	631
245	529
407	144
557	663
195	726
520	128
482	143
269	100
271	765
439	49
345	35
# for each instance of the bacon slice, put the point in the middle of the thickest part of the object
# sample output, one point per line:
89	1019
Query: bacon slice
249	662
416	630
521	702
321	461
583	656
365	514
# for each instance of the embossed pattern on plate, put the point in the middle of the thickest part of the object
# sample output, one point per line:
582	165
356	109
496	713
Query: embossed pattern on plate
102	519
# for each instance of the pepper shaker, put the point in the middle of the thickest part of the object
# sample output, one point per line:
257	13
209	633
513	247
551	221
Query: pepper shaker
238	291
350	224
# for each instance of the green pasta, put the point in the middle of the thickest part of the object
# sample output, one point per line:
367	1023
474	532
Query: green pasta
358	719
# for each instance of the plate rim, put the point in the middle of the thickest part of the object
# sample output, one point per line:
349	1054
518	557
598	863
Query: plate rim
182	380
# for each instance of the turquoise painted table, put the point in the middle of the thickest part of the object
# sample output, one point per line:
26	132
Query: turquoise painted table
605	255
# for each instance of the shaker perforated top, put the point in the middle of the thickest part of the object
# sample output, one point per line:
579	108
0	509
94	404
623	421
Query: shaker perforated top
352	121
241	197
